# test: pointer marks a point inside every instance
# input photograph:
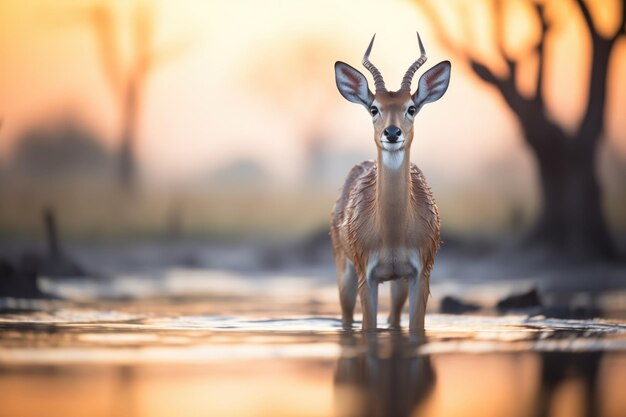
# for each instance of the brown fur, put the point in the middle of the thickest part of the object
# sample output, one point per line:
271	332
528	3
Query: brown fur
357	230
355	222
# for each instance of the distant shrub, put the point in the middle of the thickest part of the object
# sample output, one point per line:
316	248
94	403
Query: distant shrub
63	151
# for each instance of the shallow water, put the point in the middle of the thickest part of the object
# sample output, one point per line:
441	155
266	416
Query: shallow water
75	361
254	349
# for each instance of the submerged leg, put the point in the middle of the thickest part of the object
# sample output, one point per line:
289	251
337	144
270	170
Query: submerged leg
369	304
418	296
399	292
347	282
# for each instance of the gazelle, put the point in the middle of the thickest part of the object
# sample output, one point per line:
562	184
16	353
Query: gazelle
385	224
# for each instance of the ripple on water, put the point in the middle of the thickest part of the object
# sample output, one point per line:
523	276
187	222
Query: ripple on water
446	333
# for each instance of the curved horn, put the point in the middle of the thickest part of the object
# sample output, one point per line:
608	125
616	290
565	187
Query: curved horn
378	78
408	76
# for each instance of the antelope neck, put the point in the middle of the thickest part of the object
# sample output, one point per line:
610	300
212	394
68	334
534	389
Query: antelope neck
392	194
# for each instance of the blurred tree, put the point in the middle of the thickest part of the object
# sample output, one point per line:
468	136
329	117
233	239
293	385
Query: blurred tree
571	218
128	82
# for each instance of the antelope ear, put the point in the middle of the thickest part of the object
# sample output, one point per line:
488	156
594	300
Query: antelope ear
352	84
433	84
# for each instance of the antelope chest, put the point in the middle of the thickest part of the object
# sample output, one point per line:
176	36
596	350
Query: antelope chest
382	261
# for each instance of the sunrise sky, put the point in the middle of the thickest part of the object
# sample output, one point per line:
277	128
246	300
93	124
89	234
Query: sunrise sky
254	79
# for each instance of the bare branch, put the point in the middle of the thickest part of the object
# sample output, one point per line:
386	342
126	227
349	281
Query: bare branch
592	122
463	52
484	73
104	29
540	50
441	32
498	36
146	57
621	30
587	15
504	84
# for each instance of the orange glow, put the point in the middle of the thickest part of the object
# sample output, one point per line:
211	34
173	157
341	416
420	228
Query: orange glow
192	102
506	385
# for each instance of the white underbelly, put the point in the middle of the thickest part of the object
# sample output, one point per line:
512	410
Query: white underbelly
392	264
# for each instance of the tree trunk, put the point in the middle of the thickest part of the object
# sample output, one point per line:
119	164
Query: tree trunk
127	156
571	221
127	168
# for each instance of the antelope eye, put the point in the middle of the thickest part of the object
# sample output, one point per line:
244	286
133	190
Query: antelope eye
411	111
374	110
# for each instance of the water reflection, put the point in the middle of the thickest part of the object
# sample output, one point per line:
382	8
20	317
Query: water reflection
124	386
575	374
185	361
381	374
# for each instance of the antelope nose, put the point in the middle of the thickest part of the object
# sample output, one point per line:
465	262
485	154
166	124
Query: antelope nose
392	133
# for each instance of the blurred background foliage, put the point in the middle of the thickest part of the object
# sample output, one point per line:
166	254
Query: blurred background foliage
221	120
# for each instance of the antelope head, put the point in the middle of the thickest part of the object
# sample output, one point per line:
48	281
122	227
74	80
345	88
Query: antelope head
393	112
